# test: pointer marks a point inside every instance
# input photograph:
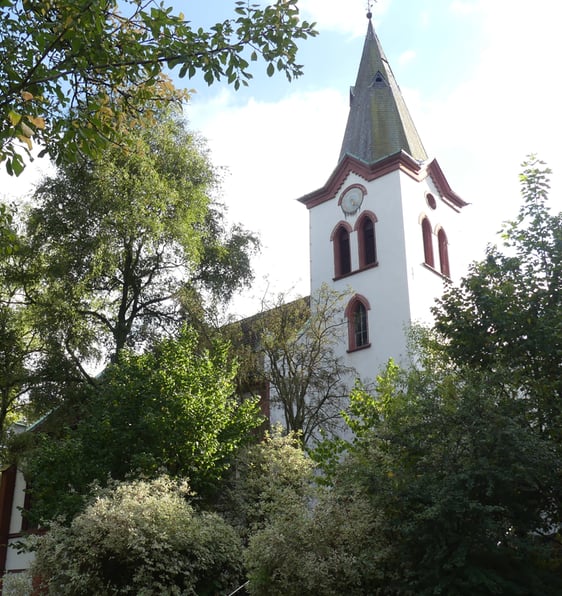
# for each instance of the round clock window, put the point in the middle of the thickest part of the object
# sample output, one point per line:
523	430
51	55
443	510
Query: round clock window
351	200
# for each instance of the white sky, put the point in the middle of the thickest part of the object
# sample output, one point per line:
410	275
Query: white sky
480	78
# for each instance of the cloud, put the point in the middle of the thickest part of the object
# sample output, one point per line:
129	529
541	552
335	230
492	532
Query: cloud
464	7
275	153
344	17
506	108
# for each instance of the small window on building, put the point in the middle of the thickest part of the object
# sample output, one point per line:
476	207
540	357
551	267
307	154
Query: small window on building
367	240
427	242
443	252
430	200
358	323
342	250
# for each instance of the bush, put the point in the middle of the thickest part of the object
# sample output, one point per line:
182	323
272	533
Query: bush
140	538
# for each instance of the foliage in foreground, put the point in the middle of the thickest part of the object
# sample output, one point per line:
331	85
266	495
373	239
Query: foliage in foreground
141	538
265	479
446	488
172	409
506	314
73	71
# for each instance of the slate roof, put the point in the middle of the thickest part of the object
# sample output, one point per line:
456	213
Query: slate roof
379	123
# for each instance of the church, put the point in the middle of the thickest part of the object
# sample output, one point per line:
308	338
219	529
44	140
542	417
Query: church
386	234
386	225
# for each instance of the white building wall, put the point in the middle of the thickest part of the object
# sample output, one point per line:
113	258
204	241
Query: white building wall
401	289
17	561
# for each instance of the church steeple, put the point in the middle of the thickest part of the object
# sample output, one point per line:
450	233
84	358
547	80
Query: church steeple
379	124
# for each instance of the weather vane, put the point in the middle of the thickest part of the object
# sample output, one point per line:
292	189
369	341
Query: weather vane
370	8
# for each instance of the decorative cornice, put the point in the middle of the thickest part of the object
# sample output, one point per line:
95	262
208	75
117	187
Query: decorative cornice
399	161
447	193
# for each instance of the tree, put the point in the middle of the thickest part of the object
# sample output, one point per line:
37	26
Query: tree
114	248
464	492
294	348
140	537
72	70
8	238
18	341
16	350
506	314
172	409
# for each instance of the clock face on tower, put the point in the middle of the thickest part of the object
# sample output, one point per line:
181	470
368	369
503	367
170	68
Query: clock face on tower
351	200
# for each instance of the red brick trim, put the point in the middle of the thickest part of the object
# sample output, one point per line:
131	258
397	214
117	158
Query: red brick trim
7	486
399	161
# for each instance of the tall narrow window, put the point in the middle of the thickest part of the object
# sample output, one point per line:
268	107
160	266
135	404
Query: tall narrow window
427	242
342	251
367	239
360	326
443	252
358	323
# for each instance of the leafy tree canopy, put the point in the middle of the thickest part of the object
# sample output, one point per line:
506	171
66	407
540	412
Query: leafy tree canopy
172	409
266	478
116	251
71	71
506	315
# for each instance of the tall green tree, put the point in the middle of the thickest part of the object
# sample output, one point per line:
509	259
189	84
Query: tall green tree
506	314
170	410
71	71
114	251
464	491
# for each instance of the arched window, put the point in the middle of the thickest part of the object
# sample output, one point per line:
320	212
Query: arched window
427	242
443	252
358	323
342	251
367	240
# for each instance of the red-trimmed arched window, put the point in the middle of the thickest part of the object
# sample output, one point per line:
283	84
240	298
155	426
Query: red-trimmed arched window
427	242
342	249
443	252
358	323
365	227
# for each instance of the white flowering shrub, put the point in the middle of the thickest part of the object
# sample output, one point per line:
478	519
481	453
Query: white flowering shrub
17	584
142	538
266	477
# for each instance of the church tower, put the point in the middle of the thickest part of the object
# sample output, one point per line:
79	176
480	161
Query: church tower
385	226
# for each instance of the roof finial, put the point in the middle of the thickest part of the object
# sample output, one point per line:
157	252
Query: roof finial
369	9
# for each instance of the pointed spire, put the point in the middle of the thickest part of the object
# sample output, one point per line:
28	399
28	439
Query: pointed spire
379	123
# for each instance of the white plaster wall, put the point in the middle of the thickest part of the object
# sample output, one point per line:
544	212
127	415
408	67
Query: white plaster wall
14	560
384	286
17	561
426	285
18	503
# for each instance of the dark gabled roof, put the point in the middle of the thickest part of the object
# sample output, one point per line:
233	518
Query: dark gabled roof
379	123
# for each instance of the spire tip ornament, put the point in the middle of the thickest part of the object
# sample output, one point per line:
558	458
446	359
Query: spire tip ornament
370	9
